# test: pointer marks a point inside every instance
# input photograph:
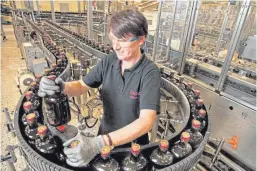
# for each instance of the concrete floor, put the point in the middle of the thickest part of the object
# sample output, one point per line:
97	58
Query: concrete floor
10	62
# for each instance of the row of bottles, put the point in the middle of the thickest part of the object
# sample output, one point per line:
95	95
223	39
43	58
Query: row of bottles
37	133
161	157
197	110
90	42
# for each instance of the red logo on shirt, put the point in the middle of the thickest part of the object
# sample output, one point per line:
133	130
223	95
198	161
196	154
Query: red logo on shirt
134	95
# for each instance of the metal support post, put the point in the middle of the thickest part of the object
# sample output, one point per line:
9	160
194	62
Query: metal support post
232	47
188	34
217	152
156	35
38	7
195	20
89	20
79	10
186	25
10	158
171	30
106	12
223	27
52	10
32	11
154	130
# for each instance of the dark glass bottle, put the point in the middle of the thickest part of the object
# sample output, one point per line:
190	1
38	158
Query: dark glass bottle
105	162
34	87
182	148
196	136
58	108
93	43
180	83
197	94
202	118
97	46
135	161
89	42
199	104
33	98
196	106
45	142
58	69
64	61
161	157
53	68
189	89
31	128
102	48
27	106
107	49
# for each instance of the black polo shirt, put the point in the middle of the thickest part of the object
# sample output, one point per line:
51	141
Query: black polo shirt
124	96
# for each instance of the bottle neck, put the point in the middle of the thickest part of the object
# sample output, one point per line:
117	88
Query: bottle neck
105	160
161	152
134	158
32	125
200	118
183	143
199	106
194	130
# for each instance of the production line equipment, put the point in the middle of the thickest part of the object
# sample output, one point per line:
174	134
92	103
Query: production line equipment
41	125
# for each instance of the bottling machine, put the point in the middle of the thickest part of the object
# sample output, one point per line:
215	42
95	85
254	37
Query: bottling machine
203	48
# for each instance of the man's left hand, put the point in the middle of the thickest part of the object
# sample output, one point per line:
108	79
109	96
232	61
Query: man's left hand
84	151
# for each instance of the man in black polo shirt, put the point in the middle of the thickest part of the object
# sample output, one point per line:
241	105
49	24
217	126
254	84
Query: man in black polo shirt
130	90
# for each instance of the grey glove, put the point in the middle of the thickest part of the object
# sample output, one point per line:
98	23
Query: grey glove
50	87
84	152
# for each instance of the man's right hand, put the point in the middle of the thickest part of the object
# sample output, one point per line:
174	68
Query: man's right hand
50	87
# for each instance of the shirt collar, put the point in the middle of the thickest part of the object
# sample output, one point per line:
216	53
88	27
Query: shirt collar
136	67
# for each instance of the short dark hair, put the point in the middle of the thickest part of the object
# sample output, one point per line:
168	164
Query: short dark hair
128	21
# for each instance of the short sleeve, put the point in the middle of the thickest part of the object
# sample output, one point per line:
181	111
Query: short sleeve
150	92
94	78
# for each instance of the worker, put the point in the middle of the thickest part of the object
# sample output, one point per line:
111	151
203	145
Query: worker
130	90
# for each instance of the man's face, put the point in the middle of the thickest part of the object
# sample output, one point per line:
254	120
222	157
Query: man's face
127	47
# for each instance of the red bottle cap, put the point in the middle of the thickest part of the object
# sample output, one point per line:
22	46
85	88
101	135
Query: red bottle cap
61	128
190	84
28	95
197	92
196	124
164	144
41	130
74	143
27	106
31	117
135	149
33	84
51	77
105	151
185	136
202	113
199	101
